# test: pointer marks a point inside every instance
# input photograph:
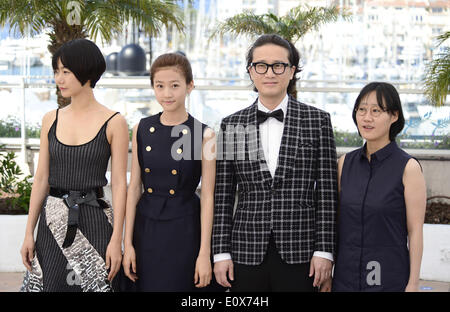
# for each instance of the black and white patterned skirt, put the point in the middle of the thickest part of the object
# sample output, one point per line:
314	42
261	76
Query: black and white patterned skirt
79	267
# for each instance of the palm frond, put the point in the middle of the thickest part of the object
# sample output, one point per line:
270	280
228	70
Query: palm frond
95	16
437	79
246	23
292	26
152	14
101	17
443	37
303	19
108	17
24	16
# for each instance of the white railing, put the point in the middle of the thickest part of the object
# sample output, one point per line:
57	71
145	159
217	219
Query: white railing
202	84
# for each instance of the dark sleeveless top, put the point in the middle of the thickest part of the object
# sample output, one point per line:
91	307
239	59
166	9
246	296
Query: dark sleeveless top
78	167
372	253
170	179
167	226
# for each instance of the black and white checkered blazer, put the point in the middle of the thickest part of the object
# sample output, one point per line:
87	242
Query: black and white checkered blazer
298	205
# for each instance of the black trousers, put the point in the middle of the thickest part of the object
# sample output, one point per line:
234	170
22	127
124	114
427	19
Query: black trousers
272	275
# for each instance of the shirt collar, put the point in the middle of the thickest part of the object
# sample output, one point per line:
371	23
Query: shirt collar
283	105
381	154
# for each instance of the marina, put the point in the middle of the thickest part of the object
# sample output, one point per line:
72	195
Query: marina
384	40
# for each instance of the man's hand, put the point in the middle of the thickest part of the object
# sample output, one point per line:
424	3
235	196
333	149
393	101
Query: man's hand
321	269
221	268
326	285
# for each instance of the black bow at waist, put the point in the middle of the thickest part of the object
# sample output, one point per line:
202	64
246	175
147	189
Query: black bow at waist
73	199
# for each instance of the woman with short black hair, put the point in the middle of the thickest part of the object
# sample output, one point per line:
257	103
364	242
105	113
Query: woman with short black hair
87	66
387	94
78	243
382	201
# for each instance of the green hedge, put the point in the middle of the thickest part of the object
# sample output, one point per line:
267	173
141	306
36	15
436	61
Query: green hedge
11	183
424	142
11	128
352	139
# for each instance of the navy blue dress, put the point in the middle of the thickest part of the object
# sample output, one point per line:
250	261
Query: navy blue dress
372	252
167	225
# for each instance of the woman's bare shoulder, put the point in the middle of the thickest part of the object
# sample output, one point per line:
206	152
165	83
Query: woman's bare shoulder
49	118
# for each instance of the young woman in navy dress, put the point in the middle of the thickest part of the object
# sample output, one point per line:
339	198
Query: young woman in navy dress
382	202
168	227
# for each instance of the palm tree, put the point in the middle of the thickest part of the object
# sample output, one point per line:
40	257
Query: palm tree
292	26
437	75
65	20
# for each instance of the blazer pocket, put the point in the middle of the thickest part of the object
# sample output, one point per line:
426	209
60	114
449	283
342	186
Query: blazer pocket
306	154
307	224
307	214
303	142
306	144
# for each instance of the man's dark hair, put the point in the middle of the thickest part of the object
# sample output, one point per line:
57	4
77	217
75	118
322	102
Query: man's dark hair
293	55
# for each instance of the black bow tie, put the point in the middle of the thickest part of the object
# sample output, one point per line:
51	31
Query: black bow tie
262	116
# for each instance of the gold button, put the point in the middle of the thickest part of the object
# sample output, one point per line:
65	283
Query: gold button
148	148
172	192
179	151
152	129
184	131
174	172
147	170
150	190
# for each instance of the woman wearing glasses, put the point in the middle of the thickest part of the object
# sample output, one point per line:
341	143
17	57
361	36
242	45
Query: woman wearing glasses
381	201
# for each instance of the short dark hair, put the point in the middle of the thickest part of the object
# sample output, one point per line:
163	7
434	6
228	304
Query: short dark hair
293	56
387	94
177	60
83	58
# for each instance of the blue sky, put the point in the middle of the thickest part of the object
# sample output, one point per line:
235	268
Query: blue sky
4	33
196	4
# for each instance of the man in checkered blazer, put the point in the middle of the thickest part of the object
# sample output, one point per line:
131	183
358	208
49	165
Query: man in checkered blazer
279	156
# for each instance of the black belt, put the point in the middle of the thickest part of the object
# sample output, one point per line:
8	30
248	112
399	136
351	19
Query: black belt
73	199
57	192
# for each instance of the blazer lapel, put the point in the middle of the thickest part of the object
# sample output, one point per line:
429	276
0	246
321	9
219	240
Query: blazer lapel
289	140
251	134
254	145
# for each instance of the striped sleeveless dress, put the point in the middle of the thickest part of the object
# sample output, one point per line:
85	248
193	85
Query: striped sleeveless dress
81	267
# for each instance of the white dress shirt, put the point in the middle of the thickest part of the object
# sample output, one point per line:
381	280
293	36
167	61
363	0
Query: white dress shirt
270	135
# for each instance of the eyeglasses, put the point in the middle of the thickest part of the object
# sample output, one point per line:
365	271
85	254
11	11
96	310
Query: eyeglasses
262	68
375	111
